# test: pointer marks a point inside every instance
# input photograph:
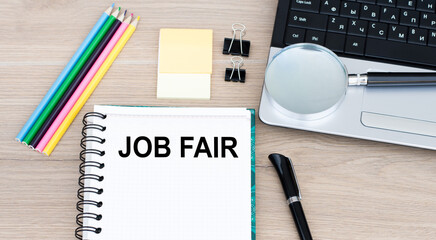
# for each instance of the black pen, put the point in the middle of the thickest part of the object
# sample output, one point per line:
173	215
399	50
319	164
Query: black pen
287	176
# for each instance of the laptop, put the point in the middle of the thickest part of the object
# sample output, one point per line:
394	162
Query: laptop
367	35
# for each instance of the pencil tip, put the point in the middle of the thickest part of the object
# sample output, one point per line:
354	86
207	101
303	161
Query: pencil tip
131	14
119	8
138	17
125	12
113	4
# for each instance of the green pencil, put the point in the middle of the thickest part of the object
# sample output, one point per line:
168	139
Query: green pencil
49	108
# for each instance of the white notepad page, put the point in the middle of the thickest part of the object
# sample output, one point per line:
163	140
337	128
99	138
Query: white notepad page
171	197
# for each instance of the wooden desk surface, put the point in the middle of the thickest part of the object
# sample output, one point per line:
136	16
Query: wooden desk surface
352	189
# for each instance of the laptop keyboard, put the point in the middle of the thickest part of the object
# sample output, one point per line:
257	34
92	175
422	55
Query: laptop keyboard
402	31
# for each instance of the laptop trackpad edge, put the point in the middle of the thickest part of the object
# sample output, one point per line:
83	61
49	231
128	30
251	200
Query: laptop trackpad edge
398	124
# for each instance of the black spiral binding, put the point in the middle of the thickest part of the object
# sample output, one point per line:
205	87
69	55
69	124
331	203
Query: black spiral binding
87	164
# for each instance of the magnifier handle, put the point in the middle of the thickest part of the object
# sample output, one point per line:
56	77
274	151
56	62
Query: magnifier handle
392	79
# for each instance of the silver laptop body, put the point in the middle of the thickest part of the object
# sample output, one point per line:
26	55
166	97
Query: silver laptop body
399	115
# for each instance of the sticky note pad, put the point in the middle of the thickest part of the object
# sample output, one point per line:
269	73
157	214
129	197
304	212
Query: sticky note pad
185	63
183	86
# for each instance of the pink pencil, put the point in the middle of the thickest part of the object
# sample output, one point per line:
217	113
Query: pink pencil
67	108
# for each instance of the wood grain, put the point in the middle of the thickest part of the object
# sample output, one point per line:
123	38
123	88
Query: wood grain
352	189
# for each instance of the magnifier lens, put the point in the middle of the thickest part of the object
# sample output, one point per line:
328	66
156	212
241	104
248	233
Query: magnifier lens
306	79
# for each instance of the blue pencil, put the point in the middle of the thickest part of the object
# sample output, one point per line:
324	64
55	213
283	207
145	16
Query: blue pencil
22	134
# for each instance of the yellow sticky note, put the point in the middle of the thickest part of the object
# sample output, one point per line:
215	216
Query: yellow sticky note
185	51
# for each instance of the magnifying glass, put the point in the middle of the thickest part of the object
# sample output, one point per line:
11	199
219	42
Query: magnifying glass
306	81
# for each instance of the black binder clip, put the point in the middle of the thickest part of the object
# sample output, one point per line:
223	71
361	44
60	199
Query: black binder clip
237	46
237	63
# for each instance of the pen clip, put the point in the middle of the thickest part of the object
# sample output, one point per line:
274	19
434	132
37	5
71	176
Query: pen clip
295	176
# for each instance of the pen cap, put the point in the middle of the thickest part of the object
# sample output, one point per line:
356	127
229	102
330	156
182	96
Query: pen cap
285	170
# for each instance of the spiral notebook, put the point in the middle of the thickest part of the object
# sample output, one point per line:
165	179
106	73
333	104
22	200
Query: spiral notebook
163	173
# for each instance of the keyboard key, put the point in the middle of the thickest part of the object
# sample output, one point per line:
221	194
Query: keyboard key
428	20
377	30
432	38
330	7
407	4
389	15
367	1
426	5
389	3
357	27
316	37
335	42
369	12
337	24
355	45
398	51
397	33
417	36
409	18
305	5
308	20
350	9
294	35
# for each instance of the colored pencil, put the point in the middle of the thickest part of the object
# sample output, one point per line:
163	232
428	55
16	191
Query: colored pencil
102	39
67	82
28	125
83	85
90	88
